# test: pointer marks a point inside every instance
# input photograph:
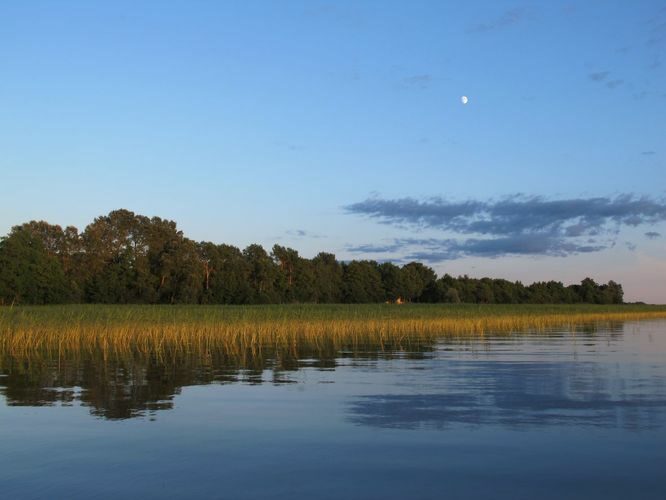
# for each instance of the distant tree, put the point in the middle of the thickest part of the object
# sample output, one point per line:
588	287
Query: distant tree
115	260
65	246
393	281
327	278
484	291
362	282
180	268
452	296
589	291
263	275
611	293
287	262
306	281
123	257
225	274
505	292
539	293
434	292
467	289
416	277
28	272
296	278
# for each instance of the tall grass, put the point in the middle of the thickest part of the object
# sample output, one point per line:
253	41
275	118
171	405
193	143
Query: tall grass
246	330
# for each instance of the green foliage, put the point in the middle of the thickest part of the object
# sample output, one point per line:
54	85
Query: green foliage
362	282
328	274
226	275
29	273
416	278
125	258
263	276
393	281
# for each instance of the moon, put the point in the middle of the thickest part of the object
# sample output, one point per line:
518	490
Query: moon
464	99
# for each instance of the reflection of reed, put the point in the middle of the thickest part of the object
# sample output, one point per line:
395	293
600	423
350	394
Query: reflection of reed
121	380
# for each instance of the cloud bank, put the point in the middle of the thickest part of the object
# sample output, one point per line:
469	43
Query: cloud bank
515	225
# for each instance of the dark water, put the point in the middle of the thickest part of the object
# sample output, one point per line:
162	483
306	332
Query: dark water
555	415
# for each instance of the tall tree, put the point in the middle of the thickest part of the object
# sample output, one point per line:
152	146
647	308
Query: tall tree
263	275
362	282
393	282
226	275
417	277
287	261
29	273
327	278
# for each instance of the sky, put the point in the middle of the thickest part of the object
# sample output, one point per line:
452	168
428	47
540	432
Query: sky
338	126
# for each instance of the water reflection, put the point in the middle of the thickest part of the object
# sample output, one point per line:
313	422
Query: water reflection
134	383
587	376
520	395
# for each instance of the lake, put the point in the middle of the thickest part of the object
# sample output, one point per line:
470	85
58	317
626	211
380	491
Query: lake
548	414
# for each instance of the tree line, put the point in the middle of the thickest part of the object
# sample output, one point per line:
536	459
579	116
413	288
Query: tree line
124	258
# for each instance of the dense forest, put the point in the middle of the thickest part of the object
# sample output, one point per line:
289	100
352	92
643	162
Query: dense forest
126	258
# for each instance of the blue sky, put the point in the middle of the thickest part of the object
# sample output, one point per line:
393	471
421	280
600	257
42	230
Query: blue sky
275	121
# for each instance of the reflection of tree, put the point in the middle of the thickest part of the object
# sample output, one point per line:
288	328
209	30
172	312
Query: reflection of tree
117	388
122	385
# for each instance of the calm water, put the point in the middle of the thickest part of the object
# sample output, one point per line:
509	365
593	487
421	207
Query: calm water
555	415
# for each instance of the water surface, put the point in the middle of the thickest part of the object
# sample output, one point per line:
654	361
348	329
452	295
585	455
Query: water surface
556	414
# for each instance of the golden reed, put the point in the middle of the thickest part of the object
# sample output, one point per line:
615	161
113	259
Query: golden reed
120	330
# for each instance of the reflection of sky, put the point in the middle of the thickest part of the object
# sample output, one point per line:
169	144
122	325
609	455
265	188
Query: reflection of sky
613	379
518	395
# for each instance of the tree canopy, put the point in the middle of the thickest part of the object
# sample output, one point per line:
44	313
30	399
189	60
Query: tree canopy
127	258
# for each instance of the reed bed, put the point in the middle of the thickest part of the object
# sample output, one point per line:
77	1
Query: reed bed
239	331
